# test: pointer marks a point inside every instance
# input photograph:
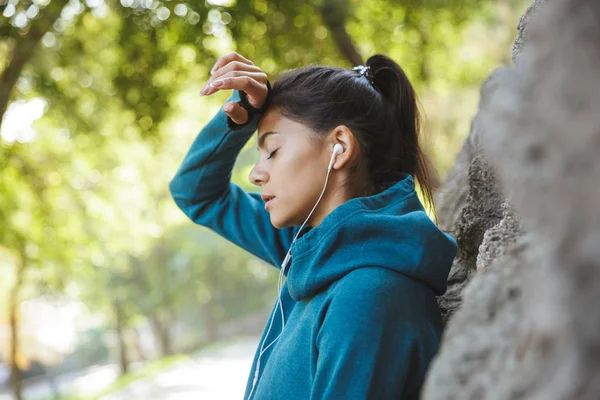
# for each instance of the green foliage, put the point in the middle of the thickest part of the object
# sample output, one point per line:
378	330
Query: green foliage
85	203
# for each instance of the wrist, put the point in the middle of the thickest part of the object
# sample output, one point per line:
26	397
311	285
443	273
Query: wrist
251	110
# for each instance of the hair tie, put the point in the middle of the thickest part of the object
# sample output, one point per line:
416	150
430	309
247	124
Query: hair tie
365	71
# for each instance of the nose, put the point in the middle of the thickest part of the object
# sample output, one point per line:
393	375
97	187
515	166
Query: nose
258	175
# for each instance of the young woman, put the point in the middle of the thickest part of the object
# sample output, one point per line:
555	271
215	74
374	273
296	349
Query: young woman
357	316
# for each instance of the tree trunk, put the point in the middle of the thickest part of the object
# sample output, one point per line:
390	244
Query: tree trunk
162	334
211	324
210	308
334	17
138	345
123	359
14	302
23	50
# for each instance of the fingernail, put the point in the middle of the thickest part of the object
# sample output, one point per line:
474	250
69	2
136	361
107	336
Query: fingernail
217	83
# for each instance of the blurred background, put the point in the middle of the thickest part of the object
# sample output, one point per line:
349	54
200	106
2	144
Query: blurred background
106	289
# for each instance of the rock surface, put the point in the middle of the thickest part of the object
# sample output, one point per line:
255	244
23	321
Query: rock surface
523	198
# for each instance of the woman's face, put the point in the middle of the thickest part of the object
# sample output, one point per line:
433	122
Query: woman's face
290	168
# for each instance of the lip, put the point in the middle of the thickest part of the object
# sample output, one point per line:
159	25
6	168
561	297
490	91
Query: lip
267	198
268	205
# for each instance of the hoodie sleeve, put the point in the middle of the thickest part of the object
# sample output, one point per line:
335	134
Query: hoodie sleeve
202	189
369	345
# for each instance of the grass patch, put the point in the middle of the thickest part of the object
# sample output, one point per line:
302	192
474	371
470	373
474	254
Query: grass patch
151	368
146	371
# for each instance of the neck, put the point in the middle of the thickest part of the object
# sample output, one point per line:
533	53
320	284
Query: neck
335	195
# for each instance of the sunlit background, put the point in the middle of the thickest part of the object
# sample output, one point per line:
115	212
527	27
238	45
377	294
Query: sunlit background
107	290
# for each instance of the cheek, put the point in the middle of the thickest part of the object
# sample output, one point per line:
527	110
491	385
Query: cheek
299	179
296	172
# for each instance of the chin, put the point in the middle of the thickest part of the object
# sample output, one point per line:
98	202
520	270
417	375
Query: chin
279	222
287	217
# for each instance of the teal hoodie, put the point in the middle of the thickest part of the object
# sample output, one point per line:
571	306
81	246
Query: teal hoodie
361	317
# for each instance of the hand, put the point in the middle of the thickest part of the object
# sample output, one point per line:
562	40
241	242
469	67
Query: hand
233	71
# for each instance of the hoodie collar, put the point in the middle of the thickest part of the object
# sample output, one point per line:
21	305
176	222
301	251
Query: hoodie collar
389	229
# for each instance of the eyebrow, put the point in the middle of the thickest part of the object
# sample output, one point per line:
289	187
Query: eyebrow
263	137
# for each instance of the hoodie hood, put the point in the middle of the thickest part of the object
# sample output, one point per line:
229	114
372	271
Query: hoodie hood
389	230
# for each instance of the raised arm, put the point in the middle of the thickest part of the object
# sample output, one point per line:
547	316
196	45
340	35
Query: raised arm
202	189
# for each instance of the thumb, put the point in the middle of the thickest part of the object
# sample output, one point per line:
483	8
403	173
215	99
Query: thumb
238	114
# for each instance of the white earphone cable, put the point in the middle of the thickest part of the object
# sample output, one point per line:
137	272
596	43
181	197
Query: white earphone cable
336	151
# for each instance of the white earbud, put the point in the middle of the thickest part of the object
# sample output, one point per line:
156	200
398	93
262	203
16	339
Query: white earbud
337	149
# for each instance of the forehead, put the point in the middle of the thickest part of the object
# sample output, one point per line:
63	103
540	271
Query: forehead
270	121
288	129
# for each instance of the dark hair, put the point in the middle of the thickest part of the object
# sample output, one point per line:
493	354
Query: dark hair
383	117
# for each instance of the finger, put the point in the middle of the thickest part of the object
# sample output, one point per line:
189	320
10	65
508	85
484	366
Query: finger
246	84
243	83
234	66
258	77
237	113
227	58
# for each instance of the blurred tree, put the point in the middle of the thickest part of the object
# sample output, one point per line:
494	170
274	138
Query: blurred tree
83	198
30	212
23	34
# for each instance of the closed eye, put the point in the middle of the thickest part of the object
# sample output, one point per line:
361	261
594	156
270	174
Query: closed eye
272	154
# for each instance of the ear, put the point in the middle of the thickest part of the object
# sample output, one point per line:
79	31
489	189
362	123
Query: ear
343	135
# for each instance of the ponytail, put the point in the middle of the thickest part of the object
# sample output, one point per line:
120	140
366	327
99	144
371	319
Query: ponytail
405	152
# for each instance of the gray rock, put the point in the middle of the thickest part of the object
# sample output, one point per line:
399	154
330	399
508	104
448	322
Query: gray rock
521	38
452	197
547	123
527	325
480	334
498	239
469	204
482	210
